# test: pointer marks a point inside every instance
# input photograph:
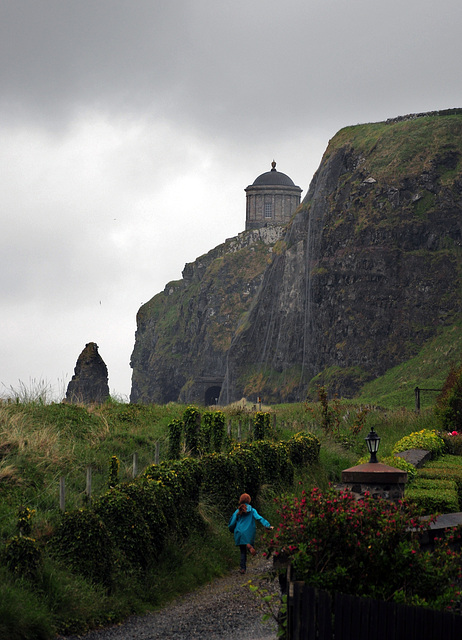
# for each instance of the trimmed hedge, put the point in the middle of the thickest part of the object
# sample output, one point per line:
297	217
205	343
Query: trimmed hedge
433	498
130	525
447	469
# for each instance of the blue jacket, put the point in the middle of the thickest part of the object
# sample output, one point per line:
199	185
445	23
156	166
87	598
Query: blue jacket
244	527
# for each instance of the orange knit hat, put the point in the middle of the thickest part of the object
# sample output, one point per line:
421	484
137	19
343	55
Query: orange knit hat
245	498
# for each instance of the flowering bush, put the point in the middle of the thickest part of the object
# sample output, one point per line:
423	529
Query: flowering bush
453	442
425	439
368	547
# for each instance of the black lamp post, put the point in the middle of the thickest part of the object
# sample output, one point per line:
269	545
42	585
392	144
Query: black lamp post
372	441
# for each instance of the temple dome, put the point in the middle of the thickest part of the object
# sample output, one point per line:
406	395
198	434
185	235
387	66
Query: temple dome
273	178
271	199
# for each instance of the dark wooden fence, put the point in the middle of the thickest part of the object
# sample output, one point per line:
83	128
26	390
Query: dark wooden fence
316	615
417	392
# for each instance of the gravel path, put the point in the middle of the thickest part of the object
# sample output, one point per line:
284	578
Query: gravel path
224	609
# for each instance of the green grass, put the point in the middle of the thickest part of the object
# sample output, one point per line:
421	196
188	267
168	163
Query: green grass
427	370
393	150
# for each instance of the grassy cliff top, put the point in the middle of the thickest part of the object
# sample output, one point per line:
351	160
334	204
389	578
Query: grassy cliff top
403	146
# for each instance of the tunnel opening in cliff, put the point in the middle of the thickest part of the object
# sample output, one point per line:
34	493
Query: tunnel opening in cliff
211	395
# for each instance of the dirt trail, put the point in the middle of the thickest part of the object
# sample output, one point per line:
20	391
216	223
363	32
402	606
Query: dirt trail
225	609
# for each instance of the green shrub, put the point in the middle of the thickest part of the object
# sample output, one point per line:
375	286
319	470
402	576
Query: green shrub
149	500
261	426
274	460
206	431
114	467
180	481
25	516
446	462
303	449
249	471
191	421
175	429
400	463
218	430
425	439
22	556
85	546
222	480
124	520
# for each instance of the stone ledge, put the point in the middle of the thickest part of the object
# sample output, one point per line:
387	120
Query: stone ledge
373	472
416	457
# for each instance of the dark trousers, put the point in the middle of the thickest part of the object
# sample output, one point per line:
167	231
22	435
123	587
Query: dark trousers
243	548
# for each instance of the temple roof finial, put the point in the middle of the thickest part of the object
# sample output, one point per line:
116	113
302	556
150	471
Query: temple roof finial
273	165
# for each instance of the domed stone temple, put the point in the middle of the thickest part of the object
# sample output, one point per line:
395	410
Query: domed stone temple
271	199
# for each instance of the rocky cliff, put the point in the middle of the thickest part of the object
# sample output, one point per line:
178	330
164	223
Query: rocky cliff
367	271
89	383
184	333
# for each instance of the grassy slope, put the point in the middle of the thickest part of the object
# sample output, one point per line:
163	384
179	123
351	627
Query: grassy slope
427	370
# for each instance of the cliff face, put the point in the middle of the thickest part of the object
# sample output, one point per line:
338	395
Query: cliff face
184	333
366	272
371	267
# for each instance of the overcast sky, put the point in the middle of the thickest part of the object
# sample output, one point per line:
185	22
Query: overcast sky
129	130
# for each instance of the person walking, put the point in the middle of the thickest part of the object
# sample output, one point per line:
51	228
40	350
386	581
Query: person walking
242	525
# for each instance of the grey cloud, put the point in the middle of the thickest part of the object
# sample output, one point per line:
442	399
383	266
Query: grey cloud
243	68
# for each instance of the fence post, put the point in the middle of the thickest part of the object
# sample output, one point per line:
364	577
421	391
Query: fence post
88	487
157	456
62	494
135	465
229	428
417	398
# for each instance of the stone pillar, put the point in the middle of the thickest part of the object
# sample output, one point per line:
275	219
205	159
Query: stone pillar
378	479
